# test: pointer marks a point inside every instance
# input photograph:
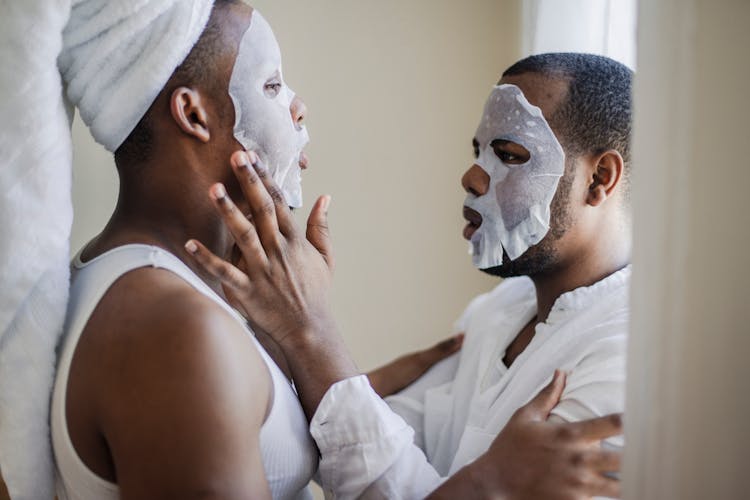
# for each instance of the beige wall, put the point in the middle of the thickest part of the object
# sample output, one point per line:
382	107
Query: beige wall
395	90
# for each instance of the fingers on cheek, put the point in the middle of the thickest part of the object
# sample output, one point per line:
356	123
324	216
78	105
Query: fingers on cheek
246	174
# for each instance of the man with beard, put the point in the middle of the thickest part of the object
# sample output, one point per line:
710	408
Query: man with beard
548	209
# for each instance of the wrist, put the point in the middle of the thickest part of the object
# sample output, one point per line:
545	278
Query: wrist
311	336
484	478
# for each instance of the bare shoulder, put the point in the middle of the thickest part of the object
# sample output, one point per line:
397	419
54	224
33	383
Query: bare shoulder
178	386
151	319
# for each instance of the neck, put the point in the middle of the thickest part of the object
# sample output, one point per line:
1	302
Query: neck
164	212
584	269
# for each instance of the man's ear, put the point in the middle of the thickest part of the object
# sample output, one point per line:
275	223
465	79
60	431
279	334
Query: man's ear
189	112
608	170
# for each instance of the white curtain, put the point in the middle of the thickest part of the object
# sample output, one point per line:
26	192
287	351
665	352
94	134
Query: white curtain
605	27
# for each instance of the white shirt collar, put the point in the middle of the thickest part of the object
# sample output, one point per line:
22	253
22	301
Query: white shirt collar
585	296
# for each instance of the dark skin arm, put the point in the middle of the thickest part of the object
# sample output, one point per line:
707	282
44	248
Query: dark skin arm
404	370
285	287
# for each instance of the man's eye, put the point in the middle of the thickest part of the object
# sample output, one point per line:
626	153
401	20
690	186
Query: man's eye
507	157
510	153
272	89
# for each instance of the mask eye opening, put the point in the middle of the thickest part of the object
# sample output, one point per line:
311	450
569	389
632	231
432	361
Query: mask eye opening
510	153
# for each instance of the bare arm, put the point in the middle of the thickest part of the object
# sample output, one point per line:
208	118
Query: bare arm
403	371
187	397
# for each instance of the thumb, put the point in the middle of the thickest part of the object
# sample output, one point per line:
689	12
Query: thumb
540	407
318	233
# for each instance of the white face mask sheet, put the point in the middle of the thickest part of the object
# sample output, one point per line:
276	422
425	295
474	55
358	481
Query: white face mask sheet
516	208
263	122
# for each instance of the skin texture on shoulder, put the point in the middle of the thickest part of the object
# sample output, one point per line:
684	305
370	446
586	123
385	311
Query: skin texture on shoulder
166	395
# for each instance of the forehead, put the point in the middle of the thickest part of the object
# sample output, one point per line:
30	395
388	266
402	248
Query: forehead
260	43
234	19
542	91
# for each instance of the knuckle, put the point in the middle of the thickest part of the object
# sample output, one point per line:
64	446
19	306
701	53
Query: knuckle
273	245
247	237
576	481
564	433
267	208
276	195
261	170
222	271
577	459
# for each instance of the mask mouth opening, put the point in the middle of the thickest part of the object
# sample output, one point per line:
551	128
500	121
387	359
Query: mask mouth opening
473	217
474	220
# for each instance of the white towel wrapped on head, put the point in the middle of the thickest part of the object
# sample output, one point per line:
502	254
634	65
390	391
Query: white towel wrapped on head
115	57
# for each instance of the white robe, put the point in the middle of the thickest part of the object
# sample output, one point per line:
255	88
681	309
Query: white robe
456	410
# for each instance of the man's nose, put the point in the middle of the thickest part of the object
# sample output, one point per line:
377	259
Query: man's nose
298	110
476	181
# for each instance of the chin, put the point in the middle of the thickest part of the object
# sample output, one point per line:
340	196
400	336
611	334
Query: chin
503	271
537	260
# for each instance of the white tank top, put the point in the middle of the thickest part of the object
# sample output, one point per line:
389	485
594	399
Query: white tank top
289	455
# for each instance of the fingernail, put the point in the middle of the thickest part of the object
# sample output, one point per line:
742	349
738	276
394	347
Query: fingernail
191	247
252	157
326	202
218	191
239	160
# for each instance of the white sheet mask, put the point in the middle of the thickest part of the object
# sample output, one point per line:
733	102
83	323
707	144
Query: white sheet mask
263	122
516	208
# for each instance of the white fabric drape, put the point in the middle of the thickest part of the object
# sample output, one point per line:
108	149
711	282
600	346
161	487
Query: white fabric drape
604	27
115	57
35	219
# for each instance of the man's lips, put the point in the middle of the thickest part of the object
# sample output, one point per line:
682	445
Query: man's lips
474	219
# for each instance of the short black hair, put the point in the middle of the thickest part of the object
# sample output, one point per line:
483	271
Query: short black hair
596	113
200	69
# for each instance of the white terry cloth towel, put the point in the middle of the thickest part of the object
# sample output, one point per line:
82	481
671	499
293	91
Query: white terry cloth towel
114	56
